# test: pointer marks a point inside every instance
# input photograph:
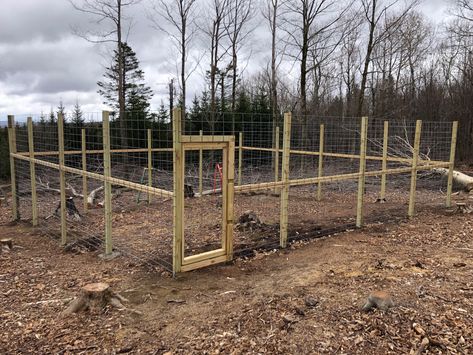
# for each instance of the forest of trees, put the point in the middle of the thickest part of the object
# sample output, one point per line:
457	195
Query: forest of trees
381	58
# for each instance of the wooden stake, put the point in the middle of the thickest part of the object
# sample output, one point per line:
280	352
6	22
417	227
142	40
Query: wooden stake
14	183
178	196
384	164
412	193
107	172
276	158
84	168
321	161
240	157
285	179
361	178
150	163
453	146
34	199
201	158
229	181
62	177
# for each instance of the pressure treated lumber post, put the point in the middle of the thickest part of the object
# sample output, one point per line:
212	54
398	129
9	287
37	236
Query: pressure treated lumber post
62	177
201	158
285	178
107	172
276	159
453	146
415	157
34	199
150	163
384	164
240	157
84	168
14	184
178	196
362	171
321	161
229	198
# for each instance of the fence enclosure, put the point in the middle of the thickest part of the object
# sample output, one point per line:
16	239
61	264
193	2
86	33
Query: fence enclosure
171	196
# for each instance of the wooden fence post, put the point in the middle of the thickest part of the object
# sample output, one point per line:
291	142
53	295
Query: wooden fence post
150	162
321	160
362	171
84	168
62	177
240	157
415	157
453	146
14	183
13	179
285	178
201	159
276	159
107	172
384	165
34	199
178	192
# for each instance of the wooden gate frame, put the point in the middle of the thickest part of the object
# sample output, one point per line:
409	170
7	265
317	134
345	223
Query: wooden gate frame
181	263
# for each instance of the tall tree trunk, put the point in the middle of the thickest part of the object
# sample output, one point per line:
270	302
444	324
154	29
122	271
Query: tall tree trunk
369	50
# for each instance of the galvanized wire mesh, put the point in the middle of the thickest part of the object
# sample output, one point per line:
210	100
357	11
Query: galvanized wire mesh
142	225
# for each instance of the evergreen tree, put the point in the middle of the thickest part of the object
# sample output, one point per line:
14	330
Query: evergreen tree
61	110
77	115
162	114
52	117
136	93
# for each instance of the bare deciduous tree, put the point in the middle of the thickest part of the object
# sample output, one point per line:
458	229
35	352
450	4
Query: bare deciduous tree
238	32
109	15
374	12
180	18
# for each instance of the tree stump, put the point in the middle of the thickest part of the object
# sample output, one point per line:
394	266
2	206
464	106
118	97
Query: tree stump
6	245
95	296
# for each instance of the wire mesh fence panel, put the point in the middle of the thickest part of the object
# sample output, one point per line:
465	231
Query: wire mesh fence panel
324	156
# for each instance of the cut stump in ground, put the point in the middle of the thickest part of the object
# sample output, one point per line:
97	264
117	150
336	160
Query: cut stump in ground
95	296
6	245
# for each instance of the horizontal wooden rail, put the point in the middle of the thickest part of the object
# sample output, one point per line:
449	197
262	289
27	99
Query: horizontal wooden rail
99	151
114	181
293	151
341	155
333	178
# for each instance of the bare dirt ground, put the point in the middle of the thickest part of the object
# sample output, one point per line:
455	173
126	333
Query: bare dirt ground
303	300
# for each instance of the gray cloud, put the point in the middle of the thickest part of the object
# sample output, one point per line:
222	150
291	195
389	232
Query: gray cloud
41	61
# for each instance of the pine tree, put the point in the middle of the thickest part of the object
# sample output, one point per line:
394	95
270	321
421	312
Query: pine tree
52	117
136	93
77	115
162	114
61	110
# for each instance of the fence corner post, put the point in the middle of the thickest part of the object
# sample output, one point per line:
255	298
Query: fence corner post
107	172
34	199
453	146
384	164
178	192
362	171
14	182
84	169
62	177
201	158
240	157
415	158
321	161
150	162
285	179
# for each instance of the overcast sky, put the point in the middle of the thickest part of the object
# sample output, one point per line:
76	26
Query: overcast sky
43	62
